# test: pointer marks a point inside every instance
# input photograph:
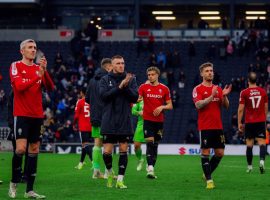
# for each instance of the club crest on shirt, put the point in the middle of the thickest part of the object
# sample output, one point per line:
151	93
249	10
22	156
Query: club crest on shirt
160	90
110	84
20	131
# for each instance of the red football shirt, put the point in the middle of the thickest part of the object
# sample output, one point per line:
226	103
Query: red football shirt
82	115
254	100
27	88
209	117
153	97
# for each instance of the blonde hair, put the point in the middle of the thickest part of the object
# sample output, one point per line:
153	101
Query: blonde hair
23	43
204	65
152	68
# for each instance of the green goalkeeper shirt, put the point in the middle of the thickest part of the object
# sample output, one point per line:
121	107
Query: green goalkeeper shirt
138	107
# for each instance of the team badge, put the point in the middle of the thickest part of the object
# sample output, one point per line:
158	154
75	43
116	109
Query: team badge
110	84
20	131
160	90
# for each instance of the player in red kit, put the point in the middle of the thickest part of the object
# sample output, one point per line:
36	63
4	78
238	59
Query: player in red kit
27	80
82	118
254	102
156	98
209	99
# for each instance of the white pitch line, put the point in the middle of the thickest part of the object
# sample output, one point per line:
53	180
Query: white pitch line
231	166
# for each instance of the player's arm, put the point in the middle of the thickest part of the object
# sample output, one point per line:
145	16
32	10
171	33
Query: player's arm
240	114
47	81
135	110
225	101
199	104
266	109
167	106
107	93
76	116
19	83
131	91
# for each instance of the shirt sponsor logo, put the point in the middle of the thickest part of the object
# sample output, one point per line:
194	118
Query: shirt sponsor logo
157	96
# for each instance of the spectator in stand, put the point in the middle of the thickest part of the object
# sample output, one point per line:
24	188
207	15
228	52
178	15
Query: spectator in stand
58	61
230	49
161	60
95	53
190	24
182	79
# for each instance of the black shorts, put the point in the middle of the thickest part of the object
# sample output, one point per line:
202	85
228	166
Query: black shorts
28	128
85	136
114	139
212	139
255	130
153	129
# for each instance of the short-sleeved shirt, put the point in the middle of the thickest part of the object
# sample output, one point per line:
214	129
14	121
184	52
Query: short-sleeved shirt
254	100
82	114
153	97
209	117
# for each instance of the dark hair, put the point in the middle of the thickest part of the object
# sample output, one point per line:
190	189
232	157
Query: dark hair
252	77
105	61
116	57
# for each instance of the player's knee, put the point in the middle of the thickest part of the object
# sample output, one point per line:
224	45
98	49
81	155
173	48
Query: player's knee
20	150
219	154
34	148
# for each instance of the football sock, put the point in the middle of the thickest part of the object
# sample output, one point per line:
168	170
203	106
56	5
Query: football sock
249	155
83	154
206	166
122	164
88	151
31	170
262	152
16	167
214	162
138	153
96	157
108	161
150	152
155	153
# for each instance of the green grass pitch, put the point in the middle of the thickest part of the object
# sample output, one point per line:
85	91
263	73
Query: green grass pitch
179	177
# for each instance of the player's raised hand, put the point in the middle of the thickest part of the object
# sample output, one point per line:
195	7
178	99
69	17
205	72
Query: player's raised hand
214	90
227	89
158	110
43	63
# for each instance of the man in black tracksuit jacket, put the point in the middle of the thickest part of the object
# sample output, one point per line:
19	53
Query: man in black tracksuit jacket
96	105
118	90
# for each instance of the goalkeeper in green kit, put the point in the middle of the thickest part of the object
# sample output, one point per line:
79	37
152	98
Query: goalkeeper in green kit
138	139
